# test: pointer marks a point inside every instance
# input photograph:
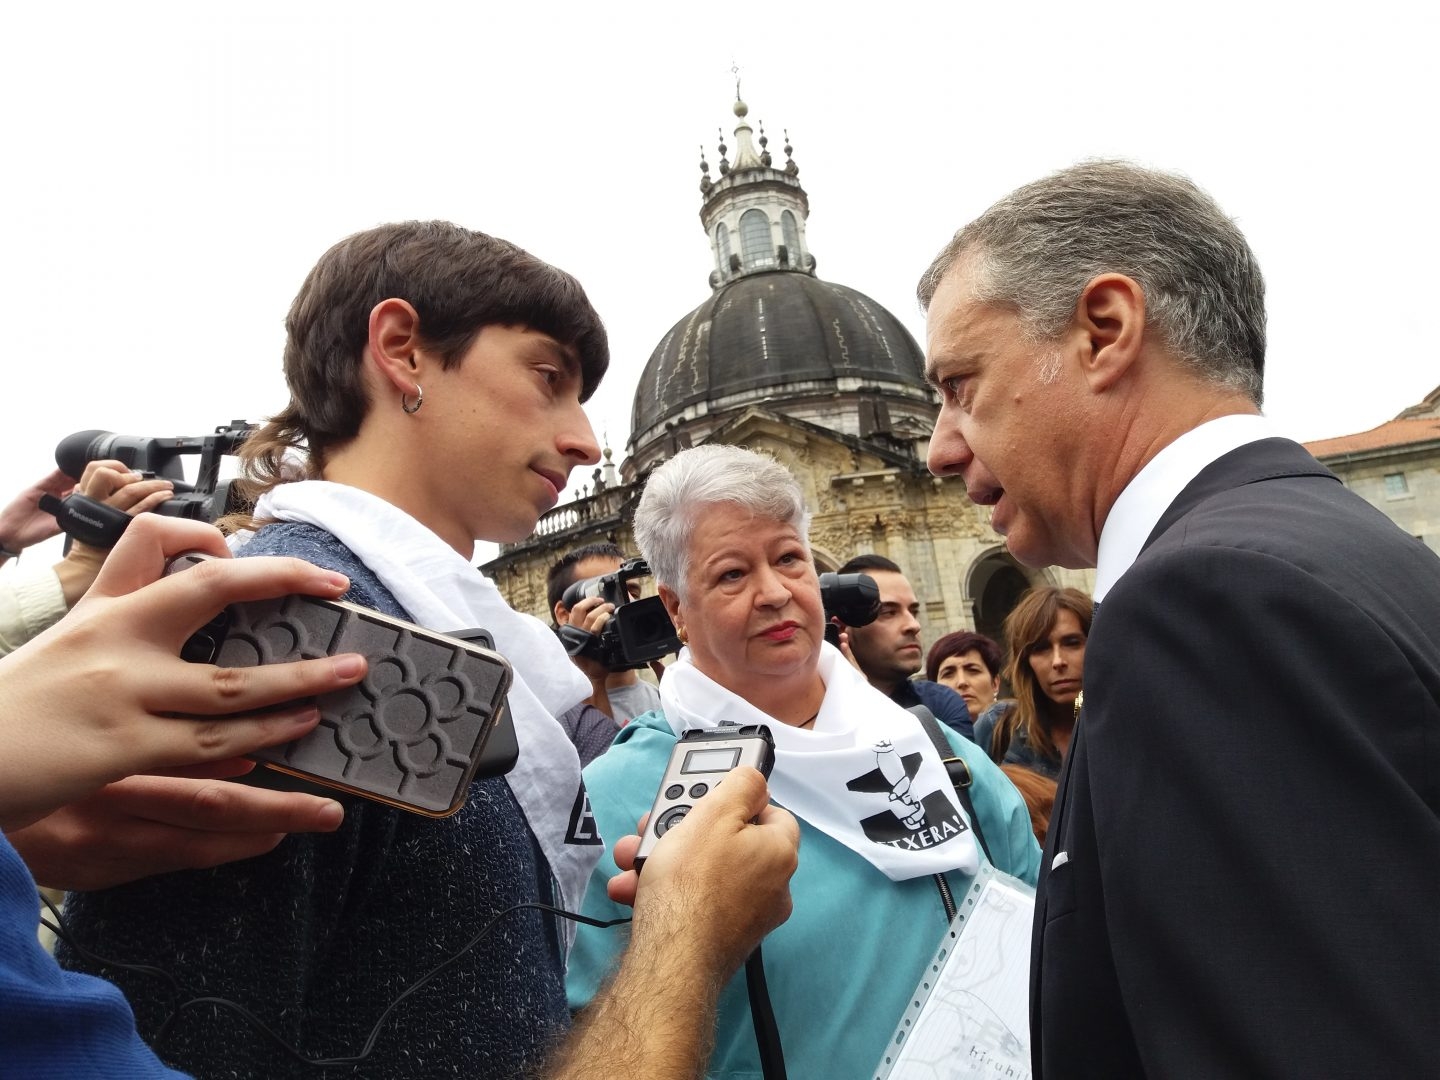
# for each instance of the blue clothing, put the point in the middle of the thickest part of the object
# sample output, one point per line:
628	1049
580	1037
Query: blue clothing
844	967
947	704
589	729
985	728
1026	756
54	1022
321	934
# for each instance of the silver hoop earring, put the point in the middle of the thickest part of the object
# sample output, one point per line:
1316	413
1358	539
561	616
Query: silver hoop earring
419	400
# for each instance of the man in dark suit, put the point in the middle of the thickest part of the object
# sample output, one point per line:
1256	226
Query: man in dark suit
1242	876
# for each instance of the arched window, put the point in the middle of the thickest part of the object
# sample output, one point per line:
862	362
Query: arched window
756	247
791	232
722	247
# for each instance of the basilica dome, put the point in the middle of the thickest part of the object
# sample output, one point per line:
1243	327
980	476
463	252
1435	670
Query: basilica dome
772	333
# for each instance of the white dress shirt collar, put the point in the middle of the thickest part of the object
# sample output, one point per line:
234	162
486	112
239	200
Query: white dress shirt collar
1159	483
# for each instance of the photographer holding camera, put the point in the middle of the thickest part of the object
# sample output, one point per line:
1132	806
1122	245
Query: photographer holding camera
32	600
886	650
620	694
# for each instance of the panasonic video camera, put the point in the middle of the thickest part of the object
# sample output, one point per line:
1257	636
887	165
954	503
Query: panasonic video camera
207	499
638	632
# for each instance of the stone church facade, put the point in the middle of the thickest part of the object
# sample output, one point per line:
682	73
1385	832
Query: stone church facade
820	377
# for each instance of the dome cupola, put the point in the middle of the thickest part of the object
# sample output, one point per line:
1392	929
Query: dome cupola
754	213
772	333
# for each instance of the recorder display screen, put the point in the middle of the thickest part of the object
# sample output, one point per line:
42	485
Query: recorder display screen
721	759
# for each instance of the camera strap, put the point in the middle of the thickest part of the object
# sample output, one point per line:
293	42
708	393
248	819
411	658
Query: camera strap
762	1015
578	642
87	520
958	771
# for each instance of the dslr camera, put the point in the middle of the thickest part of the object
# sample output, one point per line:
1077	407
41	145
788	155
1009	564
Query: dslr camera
207	499
854	599
638	632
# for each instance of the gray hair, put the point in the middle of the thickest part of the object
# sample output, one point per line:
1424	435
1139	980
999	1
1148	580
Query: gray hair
1036	249
701	477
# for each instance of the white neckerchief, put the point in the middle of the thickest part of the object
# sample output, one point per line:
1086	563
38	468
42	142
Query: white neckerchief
443	592
866	774
1148	495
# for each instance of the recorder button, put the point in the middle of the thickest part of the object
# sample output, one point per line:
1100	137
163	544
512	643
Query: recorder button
670	819
698	790
674	791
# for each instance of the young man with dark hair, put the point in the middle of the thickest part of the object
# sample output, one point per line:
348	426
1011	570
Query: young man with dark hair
436	377
888	652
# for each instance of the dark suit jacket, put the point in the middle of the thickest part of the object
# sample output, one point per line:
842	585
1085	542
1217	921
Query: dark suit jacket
1242	877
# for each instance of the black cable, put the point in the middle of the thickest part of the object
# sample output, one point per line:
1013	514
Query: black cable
61	932
762	1015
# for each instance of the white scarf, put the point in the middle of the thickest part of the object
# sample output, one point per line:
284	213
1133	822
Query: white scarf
865	774
443	592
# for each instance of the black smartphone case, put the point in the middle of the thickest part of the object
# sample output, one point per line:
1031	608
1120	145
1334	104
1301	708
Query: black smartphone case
428	717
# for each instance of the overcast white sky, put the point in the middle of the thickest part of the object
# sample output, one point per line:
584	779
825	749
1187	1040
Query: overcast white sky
173	170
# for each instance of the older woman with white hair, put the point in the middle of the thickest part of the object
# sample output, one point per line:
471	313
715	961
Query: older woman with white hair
885	844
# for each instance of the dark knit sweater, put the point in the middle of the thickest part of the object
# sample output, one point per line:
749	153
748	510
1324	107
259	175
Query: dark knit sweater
318	936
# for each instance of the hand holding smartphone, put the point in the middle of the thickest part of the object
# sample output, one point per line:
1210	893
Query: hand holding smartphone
429	716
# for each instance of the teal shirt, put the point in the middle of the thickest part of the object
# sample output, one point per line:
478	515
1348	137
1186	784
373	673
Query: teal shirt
843	968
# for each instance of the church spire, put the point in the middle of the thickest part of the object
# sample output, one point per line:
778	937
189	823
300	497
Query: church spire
754	213
746	156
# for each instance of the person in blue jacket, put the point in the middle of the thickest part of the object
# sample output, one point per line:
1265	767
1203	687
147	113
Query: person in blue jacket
885	845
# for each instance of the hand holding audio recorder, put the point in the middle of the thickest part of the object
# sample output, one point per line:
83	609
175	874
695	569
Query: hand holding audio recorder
699	761
429	716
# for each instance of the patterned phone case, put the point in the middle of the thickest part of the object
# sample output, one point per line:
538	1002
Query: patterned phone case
410	734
